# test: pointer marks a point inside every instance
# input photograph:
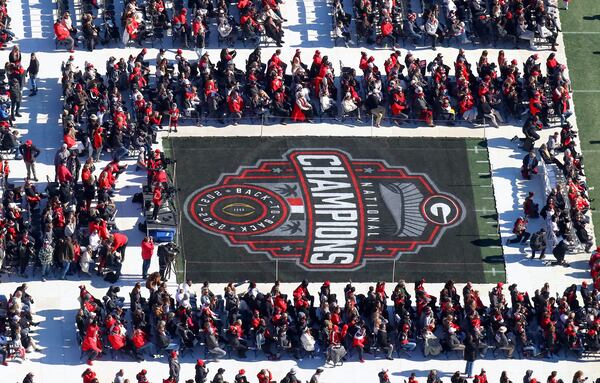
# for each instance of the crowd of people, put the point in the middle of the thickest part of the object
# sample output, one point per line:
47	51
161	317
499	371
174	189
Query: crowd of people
566	222
17	325
477	21
201	375
69	226
403	89
190	27
513	323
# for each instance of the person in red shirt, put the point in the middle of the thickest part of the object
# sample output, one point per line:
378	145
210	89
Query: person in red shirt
64	174
132	29
398	106
88	376
5	173
387	30
156	201
139	340
63	34
91	343
180	26
236	106
173	117
116	337
118	243
147	252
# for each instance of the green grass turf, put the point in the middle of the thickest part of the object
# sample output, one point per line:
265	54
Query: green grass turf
487	217
583	56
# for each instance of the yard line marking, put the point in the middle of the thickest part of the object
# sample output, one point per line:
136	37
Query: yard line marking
581	32
481	161
491	222
487	197
483	174
485	186
586	91
493	271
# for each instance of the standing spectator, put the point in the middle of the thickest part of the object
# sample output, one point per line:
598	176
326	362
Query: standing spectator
383	341
156	201
373	105
32	71
119	377
15	98
173	117
316	378
538	243
174	367
147	252
579	376
29	152
201	372
431	27
5	173
470	354
45	255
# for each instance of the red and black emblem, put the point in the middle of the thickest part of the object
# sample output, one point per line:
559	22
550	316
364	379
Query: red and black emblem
325	210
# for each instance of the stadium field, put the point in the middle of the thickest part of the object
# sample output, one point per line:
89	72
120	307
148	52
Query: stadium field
335	208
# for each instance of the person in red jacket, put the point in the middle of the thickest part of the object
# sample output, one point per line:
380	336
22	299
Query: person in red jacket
132	29
97	143
264	376
156	201
398	106
173	117
91	343
88	376
116	337
63	34
181	27
63	174
5	173
387	30
147	252
236	106
118	243
140	342
358	342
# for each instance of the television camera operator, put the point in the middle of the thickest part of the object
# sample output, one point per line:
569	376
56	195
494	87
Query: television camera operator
166	258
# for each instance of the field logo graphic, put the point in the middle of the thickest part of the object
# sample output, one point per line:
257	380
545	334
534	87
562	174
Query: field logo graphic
325	210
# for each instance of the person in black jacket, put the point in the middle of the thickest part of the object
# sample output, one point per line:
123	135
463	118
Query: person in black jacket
538	243
15	98
28	378
383	341
174	367
560	251
470	354
32	71
201	372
